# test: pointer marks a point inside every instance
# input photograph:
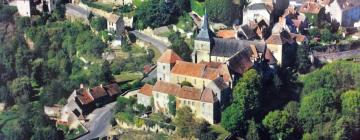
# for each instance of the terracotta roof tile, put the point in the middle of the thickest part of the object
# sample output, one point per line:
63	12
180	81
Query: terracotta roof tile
189	93
169	56
208	96
98	92
113	18
112	89
310	7
146	90
84	96
206	70
226	34
164	87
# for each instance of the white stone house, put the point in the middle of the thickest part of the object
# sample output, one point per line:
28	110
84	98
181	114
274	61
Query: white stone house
23	7
346	12
257	11
115	24
144	95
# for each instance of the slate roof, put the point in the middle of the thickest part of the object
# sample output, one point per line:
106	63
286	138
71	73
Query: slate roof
169	56
112	89
77	10
229	47
348	4
208	96
98	92
247	31
205	32
146	90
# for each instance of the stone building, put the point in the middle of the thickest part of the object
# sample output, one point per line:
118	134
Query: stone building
346	12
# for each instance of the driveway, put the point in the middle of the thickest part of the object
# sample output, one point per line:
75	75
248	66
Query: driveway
161	46
99	123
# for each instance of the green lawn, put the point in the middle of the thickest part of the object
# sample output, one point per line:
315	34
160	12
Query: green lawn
220	131
198	7
137	3
128	76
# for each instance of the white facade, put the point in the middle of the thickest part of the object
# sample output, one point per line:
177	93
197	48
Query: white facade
346	17
256	15
143	99
163	71
23	7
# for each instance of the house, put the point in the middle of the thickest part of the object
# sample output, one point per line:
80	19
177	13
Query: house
277	43
76	13
115	24
314	12
257	11
346	12
199	74
46	5
212	49
165	63
144	95
203	102
23	7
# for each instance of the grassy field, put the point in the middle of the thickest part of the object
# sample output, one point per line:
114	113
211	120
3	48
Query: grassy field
220	131
137	3
128	76
198	7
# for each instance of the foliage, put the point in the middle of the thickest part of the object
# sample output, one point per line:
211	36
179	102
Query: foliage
154	13
198	7
179	45
96	5
233	117
98	23
278	123
253	131
186	83
224	11
303	63
350	103
183	121
316	107
338	76
6	12
125	117
139	122
172	104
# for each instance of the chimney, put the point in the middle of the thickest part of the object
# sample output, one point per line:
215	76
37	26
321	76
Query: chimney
81	85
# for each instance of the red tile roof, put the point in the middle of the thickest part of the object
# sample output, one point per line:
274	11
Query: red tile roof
98	92
112	89
146	90
226	34
185	92
84	96
310	7
206	70
169	56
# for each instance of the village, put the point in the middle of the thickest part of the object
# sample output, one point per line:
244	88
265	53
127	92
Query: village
203	77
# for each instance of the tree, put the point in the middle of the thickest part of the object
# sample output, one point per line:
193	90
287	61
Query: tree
350	103
303	62
180	46
183	6
154	13
184	121
326	35
5	96
247	92
21	89
224	11
253	132
107	72
316	108
186	83
278	123
172	104
23	62
233	118
98	23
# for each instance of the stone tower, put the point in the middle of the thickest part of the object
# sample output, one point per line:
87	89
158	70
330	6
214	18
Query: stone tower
203	42
165	63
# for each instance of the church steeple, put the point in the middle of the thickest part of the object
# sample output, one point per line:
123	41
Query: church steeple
205	32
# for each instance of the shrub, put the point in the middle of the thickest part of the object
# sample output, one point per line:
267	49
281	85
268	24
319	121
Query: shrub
139	122
125	117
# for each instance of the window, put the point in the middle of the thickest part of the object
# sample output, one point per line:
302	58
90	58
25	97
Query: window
195	81
164	76
164	67
192	103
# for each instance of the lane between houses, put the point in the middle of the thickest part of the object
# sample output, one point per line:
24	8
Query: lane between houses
156	43
99	124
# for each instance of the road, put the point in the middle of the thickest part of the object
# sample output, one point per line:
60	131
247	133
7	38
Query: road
161	46
99	123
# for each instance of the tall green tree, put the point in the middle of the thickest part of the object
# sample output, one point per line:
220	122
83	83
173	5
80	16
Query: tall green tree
179	45
21	89
253	131
279	124
154	13
233	118
303	62
107	72
224	11
98	23
183	121
172	104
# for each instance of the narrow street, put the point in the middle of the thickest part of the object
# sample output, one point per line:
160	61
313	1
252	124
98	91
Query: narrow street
158	44
99	123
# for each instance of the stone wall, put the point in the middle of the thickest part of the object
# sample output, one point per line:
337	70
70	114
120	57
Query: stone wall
156	128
